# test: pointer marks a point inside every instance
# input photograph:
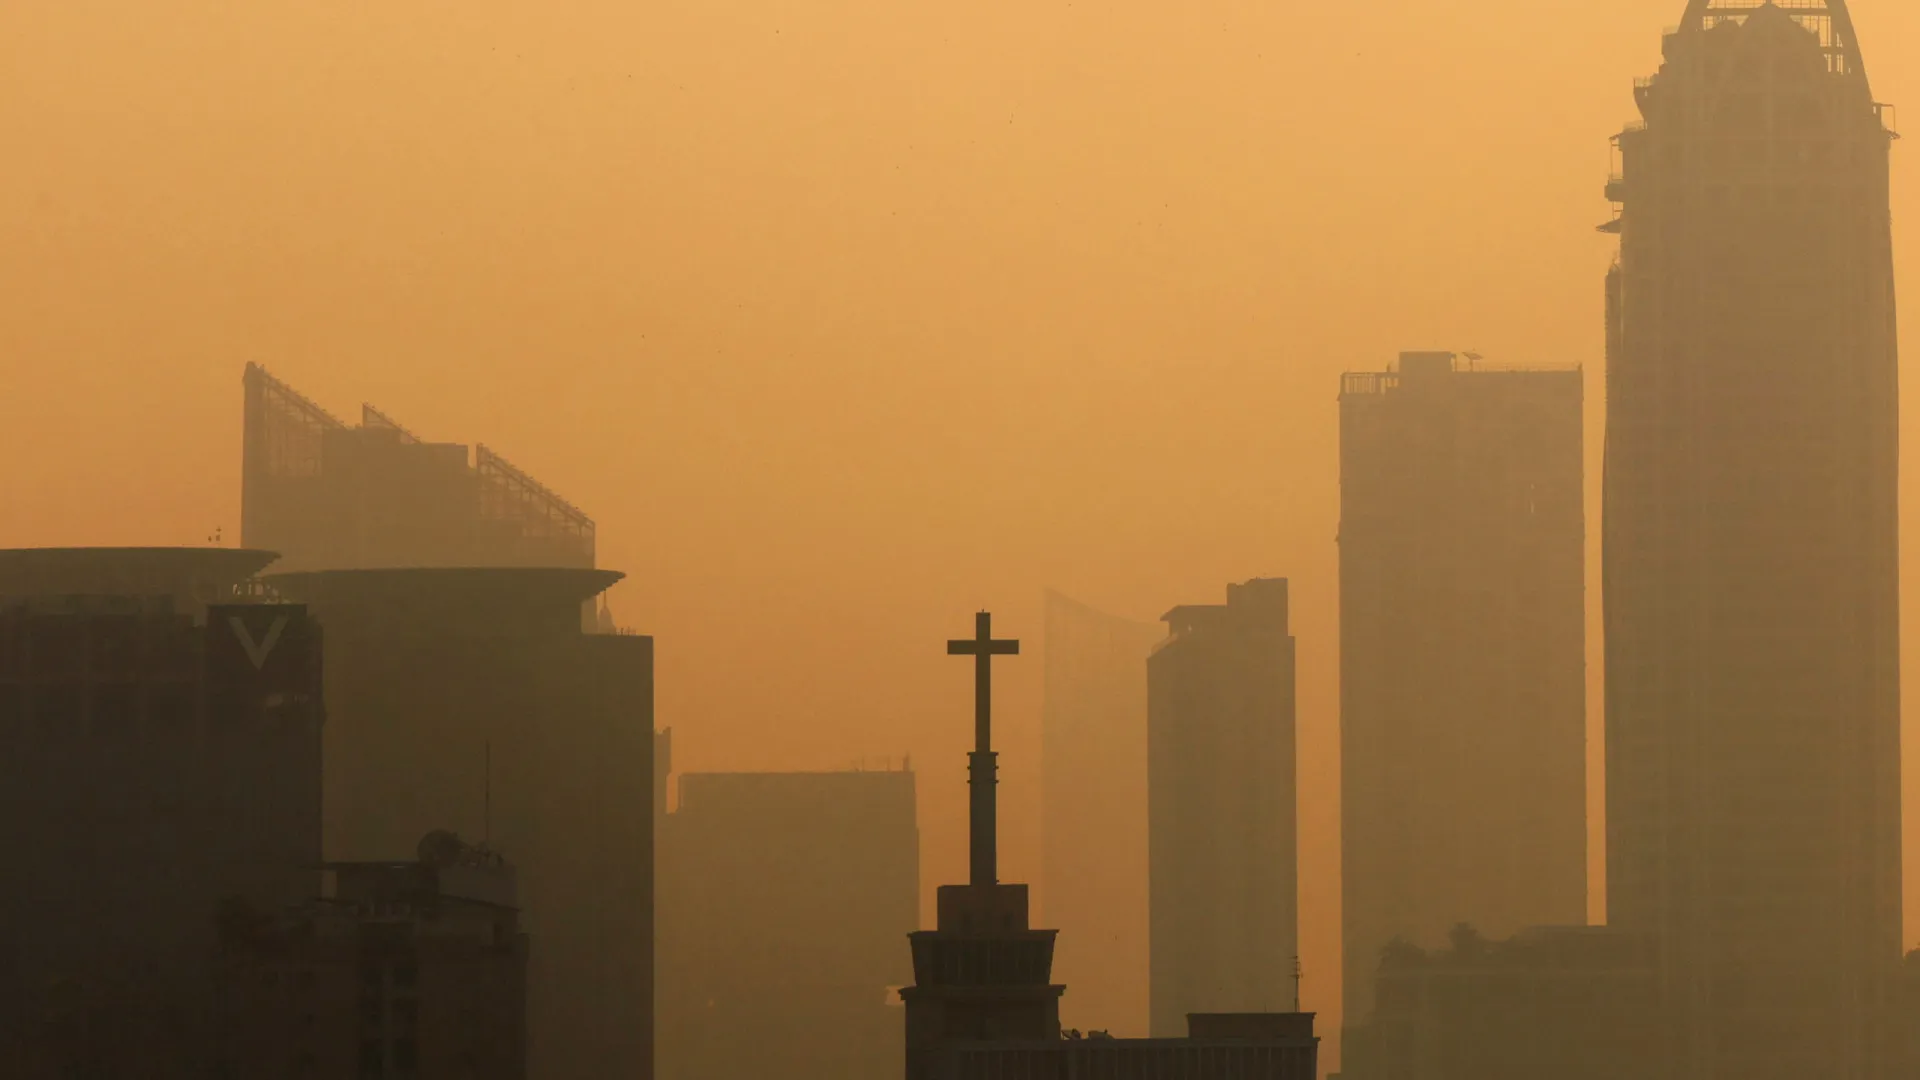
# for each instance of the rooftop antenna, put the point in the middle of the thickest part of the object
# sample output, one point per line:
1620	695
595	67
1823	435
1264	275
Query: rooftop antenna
1298	974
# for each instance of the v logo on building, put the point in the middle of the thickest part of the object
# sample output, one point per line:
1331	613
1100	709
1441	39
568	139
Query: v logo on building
257	652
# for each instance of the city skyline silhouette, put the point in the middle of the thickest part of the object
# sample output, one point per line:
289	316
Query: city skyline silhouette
838	324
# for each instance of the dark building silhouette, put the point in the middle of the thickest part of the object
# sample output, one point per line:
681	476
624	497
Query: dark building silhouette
1093	799
329	496
472	698
1751	575
1462	656
160	741
1222	847
782	900
399	969
983	1005
1572	1003
1899	1035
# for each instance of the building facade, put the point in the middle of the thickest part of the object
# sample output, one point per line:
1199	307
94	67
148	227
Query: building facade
1462	656
1574	1003
1751	542
399	970
160	757
1221	810
1093	799
471	698
783	898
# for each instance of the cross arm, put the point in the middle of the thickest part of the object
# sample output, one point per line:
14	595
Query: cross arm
972	647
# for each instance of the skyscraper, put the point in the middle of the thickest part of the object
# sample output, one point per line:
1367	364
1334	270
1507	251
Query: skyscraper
1093	763
1221	844
1462	657
1750	542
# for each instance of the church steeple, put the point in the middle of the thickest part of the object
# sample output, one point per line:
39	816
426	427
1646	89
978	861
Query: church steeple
984	973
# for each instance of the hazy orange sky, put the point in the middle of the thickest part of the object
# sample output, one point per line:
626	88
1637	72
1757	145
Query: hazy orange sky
843	318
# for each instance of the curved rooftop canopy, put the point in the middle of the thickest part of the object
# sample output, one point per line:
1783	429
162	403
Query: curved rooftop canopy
192	576
464	599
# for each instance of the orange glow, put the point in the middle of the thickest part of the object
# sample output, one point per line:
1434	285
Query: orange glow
843	319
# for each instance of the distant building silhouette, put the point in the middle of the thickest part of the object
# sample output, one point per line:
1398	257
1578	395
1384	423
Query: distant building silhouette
782	899
1222	845
1093	764
1571	1003
329	496
401	969
1751	542
983	1005
160	742
1462	656
472	698
1899	1036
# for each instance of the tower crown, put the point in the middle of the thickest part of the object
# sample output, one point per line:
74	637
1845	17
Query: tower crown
1827	20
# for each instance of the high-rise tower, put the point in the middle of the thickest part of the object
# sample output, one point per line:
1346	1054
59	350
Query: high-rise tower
1462	657
1222	890
1750	541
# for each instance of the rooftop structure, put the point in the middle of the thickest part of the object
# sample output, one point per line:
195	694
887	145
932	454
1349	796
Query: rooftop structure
190	577
509	600
332	496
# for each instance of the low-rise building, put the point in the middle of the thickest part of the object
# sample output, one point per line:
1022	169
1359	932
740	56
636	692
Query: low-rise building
414	969
1573	1003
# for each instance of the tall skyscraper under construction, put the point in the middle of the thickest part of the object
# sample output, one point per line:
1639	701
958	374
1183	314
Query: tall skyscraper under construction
1093	761
1751	541
1221	809
1462	656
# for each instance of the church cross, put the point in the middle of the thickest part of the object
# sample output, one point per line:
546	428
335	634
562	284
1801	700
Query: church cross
983	648
982	826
